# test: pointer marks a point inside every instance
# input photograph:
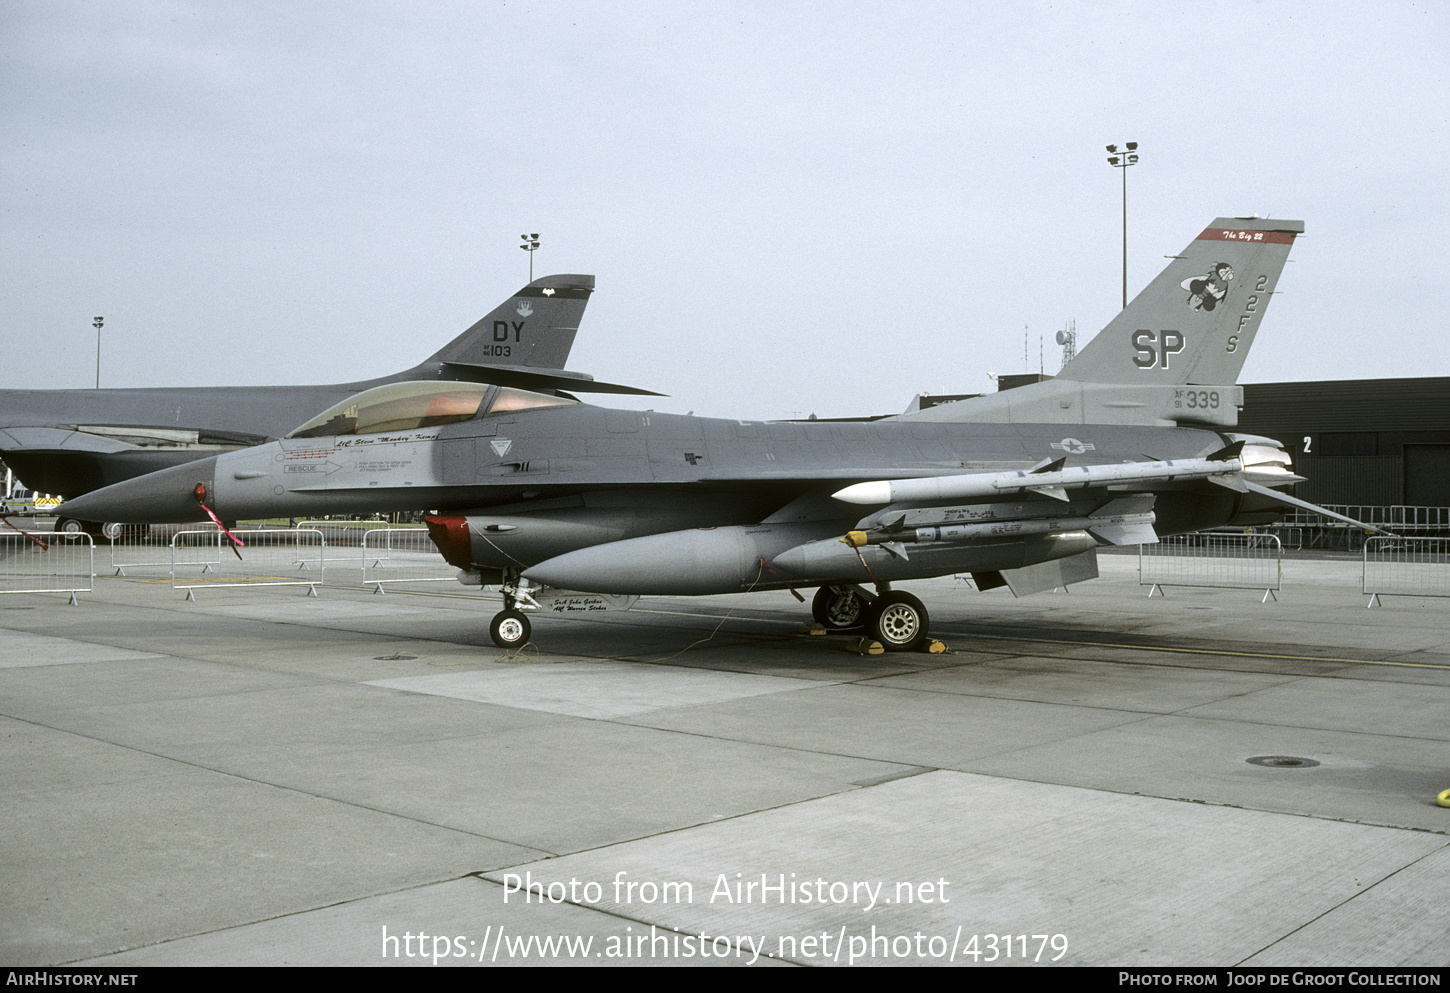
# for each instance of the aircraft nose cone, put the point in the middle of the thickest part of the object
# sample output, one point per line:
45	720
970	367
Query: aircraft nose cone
165	497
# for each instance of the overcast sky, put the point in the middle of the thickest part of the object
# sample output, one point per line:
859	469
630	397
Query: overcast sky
791	208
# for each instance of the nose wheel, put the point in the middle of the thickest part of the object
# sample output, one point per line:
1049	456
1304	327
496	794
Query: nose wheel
509	629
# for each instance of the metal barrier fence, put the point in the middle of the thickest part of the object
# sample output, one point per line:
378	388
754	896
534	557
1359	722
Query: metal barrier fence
144	548
1393	516
1405	567
1290	536
403	555
47	563
1225	561
344	538
1317	531
271	557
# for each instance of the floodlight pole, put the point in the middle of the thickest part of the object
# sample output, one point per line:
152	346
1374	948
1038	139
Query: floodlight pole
1128	157
530	245
98	322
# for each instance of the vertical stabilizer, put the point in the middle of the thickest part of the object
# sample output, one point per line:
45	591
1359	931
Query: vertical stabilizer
1174	354
535	327
1194	324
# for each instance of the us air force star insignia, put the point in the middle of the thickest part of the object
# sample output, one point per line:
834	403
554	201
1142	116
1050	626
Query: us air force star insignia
525	309
501	446
1074	447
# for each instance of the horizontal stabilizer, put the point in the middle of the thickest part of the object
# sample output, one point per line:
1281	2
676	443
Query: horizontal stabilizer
534	379
1235	483
1285	498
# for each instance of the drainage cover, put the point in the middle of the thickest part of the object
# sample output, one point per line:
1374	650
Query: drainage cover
1282	762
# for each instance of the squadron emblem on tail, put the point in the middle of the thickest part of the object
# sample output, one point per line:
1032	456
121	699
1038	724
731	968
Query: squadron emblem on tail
1209	290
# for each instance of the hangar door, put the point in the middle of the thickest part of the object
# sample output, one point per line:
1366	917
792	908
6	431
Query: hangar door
1427	475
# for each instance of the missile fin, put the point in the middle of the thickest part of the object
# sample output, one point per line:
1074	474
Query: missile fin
1125	534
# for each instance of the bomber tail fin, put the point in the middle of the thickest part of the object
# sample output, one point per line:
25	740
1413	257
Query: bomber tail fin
1174	354
535	327
524	342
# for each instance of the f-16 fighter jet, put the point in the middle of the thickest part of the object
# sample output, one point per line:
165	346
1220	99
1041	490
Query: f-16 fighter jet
1133	440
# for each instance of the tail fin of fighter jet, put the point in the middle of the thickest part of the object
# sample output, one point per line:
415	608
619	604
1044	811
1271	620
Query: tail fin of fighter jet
1174	354
1194	324
535	327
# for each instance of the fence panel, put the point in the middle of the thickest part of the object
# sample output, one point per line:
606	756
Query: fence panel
143	549
403	555
269	557
344	539
1289	537
1223	561
47	563
1405	567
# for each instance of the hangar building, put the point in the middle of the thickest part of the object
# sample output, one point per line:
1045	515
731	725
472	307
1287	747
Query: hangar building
1366	442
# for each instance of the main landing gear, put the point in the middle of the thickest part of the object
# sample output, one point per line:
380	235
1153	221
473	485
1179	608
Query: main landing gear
510	627
840	608
98	530
898	620
893	617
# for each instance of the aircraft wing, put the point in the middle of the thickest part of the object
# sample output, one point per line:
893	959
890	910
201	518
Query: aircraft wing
73	460
1051	481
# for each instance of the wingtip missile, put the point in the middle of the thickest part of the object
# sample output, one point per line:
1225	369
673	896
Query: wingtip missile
1053	484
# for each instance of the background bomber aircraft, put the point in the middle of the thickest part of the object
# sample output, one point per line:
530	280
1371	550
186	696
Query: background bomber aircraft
1132	440
70	442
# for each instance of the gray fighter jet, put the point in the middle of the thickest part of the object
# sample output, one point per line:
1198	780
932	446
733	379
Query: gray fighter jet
70	442
1131	441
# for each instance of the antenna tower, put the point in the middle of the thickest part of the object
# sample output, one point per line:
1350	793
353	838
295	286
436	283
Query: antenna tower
1067	338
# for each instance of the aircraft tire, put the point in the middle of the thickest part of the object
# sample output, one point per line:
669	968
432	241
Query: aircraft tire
509	629
898	620
69	525
839	608
120	533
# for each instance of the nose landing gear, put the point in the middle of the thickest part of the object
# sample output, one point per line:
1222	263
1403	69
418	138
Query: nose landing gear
510	627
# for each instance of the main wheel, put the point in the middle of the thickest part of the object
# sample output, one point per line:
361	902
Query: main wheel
838	607
509	629
69	525
898	620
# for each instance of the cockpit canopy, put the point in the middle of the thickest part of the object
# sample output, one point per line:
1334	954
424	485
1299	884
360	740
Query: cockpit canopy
409	406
